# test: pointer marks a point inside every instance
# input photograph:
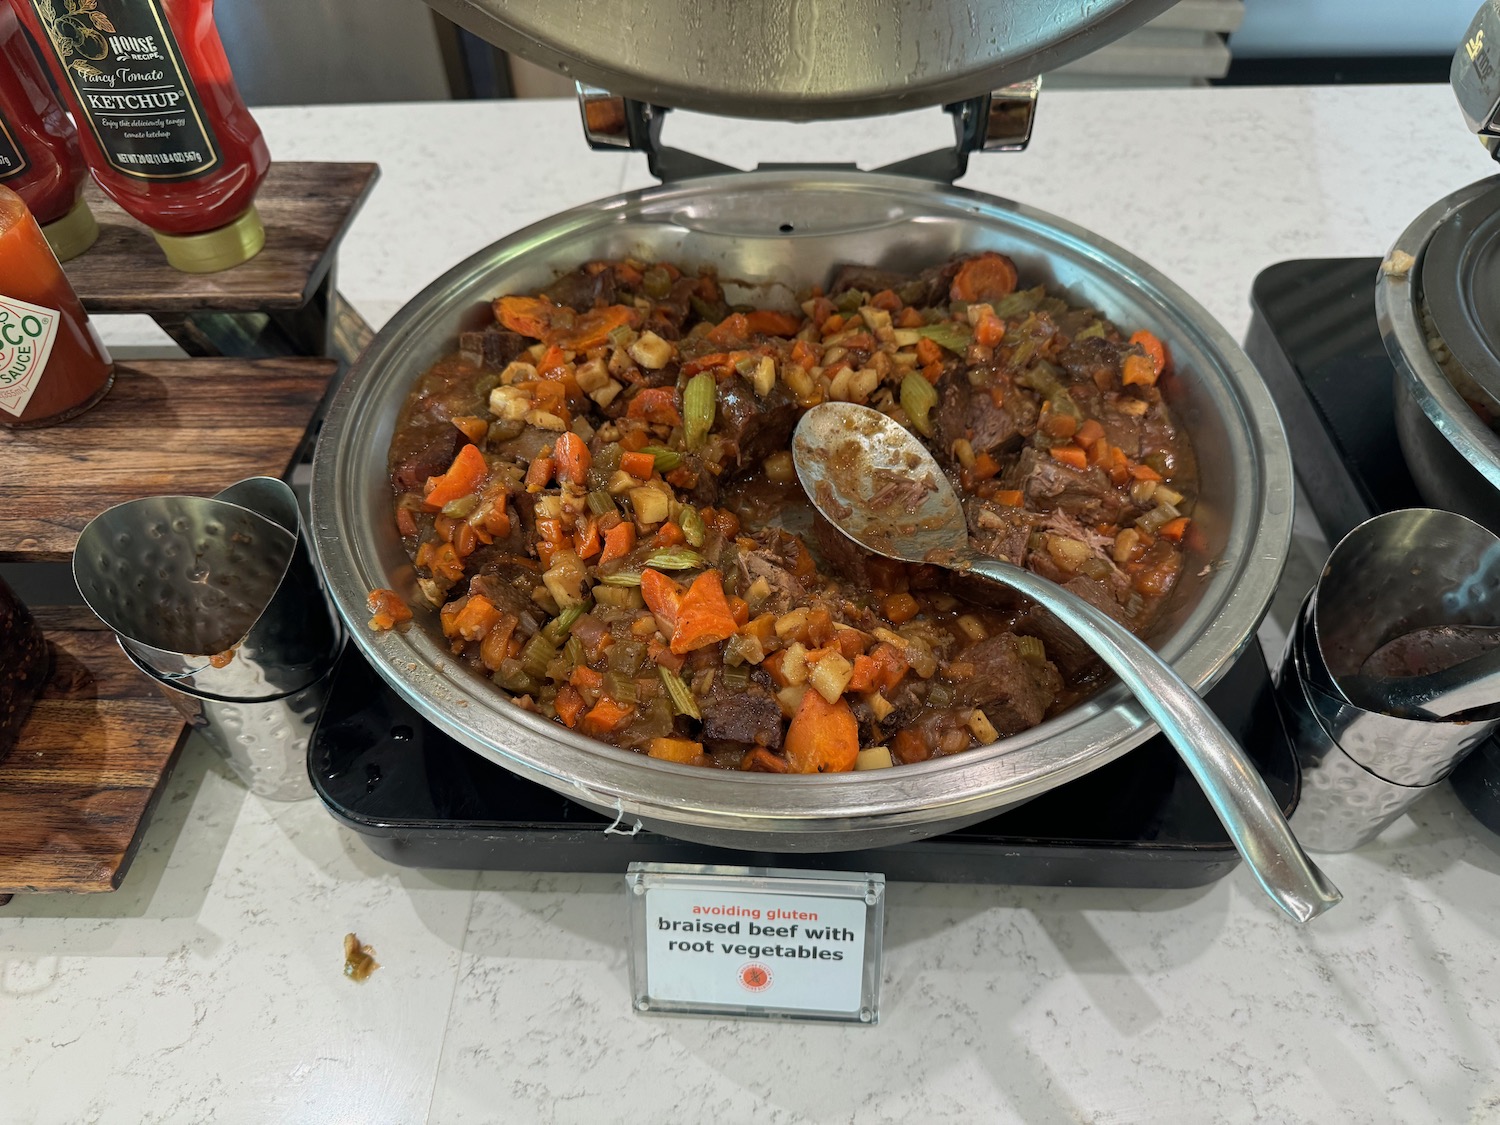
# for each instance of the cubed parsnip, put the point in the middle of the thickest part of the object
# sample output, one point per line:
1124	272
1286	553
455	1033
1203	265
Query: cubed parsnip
510	404
651	351
794	663
875	758
830	675
651	505
566	579
981	727
764	378
879	706
591	376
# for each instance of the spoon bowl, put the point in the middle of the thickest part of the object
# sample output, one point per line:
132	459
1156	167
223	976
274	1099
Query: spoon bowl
878	484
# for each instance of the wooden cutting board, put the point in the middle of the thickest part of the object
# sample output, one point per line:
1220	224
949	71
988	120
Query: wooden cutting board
167	427
75	793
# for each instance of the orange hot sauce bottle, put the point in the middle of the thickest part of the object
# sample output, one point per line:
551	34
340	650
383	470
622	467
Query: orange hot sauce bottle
163	127
39	156
52	364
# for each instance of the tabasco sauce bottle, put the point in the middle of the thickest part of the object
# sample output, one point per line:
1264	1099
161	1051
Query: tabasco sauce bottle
162	126
52	364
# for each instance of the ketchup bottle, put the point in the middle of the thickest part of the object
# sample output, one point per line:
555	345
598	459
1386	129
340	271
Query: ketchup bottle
52	365
39	156
163	127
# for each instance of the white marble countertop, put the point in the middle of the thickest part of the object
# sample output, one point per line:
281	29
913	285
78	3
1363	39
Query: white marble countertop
208	988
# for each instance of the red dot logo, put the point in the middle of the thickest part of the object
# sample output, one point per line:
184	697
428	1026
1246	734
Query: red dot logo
755	977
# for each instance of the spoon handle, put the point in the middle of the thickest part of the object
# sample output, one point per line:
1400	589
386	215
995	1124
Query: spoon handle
1233	787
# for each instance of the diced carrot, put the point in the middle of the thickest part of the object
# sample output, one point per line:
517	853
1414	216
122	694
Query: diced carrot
890	664
1144	472
463	478
834	323
660	654
585	677
388	609
907	748
985	467
712	361
619	541
739	609
769	322
569	705
445	563
1138	370
1071	455
823	737
530	316
886	299
703	615
863	678
984	278
760	760
553	360
670	534
406	523
1153	347
733	329
1174	529
1088	433
586	540
1010	497
1059	425
1119	465
762	628
989	331
496	644
607	716
803	354
638	465
628	274
635	439
539	473
932	372
476	619
909	317
929	351
656	404
773	666
472	427
592	329
572	458
663	597
898	609
679	750
849	642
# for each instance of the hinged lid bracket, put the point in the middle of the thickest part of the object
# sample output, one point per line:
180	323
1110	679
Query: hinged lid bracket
998	121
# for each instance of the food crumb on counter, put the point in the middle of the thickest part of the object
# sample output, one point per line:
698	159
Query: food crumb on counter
1397	264
359	960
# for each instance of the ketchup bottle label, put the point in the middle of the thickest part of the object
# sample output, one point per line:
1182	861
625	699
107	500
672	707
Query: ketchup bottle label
125	68
12	155
26	335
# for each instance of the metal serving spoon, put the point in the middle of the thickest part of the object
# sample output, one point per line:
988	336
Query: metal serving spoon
1474	682
878	484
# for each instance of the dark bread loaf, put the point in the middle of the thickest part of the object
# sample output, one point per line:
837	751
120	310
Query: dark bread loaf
24	663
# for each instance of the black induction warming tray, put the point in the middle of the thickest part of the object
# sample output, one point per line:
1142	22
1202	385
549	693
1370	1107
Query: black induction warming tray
420	799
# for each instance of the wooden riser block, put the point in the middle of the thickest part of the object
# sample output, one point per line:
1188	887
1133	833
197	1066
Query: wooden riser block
100	742
167	427
306	208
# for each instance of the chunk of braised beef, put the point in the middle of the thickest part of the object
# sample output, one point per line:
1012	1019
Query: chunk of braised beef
1012	691
1049	484
1094	360
999	530
583	290
930	287
767	559
748	716
525	447
494	348
972	413
1073	657
505	582
436	444
752	427
843	555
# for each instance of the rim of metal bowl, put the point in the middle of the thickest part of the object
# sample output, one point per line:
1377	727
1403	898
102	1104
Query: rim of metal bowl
470	709
1397	301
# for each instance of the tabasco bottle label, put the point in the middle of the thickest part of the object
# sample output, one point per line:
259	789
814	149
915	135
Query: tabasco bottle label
26	335
12	155
125	68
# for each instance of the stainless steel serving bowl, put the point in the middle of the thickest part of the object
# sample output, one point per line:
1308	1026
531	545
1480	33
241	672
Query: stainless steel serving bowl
1454	457
793	227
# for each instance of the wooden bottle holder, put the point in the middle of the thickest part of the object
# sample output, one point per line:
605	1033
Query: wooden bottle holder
267	339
